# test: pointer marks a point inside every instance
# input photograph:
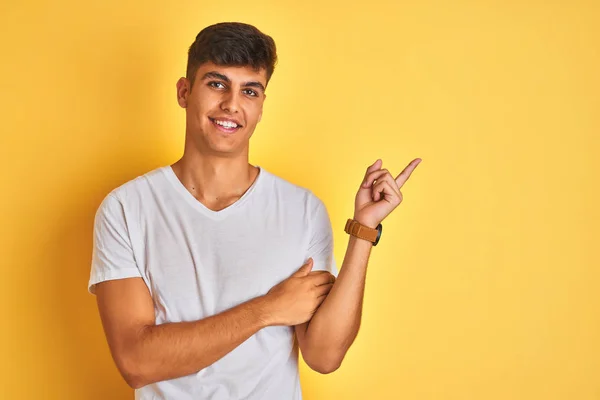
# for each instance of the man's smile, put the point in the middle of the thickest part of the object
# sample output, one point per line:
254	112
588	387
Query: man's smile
225	124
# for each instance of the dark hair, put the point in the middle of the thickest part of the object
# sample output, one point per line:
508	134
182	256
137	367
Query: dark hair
232	44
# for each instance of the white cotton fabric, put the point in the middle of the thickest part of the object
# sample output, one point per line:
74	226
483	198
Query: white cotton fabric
198	262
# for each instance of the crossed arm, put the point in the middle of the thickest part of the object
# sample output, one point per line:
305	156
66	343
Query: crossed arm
146	353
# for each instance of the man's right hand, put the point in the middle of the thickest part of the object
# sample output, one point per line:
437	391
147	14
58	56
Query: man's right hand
296	299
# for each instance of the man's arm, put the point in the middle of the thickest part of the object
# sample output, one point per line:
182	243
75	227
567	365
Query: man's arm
326	338
145	353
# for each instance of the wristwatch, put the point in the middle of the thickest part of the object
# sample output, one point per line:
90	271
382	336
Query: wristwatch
355	228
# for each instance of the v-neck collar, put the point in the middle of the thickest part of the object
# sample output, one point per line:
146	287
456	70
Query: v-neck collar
196	204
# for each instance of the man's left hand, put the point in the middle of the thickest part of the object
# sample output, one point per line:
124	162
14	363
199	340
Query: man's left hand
379	193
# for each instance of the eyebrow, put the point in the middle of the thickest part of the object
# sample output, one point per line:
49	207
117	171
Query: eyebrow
216	75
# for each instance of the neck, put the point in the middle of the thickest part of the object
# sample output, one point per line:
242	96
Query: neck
215	181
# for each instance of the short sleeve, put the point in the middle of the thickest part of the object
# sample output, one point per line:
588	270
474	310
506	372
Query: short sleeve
112	252
320	246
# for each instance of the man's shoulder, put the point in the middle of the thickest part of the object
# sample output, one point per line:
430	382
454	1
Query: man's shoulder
291	190
133	189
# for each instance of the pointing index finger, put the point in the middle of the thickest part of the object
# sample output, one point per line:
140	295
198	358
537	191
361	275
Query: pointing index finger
405	174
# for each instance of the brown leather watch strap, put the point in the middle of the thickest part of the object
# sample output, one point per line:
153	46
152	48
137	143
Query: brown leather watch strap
361	231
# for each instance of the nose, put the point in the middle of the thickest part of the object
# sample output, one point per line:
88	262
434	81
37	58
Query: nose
230	102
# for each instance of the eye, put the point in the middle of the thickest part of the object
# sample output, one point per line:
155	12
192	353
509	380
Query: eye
251	92
215	84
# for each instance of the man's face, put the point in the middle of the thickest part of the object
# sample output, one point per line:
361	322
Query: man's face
223	107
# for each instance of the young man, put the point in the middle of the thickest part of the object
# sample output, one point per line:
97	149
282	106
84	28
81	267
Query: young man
208	270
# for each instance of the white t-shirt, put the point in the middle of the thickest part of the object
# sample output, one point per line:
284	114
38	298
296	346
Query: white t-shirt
198	262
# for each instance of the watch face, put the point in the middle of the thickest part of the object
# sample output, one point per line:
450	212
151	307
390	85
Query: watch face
379	229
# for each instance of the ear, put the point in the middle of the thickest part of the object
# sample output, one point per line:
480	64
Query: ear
183	90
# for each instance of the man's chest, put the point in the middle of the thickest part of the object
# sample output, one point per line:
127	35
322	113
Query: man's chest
199	269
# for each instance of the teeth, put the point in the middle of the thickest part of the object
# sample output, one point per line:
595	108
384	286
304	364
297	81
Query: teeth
226	124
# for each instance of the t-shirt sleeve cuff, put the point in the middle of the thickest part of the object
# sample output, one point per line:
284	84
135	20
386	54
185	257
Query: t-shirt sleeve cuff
112	275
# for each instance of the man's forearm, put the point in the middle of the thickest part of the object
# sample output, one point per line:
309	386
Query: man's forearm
173	350
335	325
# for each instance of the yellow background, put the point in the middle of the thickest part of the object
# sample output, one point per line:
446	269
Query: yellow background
485	284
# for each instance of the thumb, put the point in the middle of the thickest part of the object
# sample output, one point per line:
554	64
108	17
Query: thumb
306	268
